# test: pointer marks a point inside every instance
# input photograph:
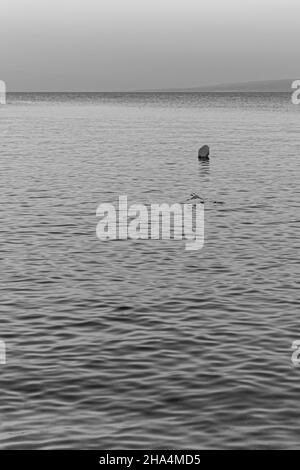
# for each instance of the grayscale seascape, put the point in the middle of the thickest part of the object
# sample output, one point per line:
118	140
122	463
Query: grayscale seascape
142	344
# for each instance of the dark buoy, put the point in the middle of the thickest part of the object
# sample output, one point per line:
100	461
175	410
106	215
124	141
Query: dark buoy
203	153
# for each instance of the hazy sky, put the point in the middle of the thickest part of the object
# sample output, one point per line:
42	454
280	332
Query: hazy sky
107	45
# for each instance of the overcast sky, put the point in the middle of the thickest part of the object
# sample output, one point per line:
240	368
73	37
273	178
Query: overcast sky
109	45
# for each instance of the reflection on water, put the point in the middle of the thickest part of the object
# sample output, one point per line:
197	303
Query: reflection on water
203	171
141	344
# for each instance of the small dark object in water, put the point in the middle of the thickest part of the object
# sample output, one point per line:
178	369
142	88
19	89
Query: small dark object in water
195	197
203	153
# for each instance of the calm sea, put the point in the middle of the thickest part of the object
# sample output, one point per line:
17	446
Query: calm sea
142	344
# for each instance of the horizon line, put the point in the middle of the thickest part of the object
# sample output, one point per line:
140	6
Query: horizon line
215	88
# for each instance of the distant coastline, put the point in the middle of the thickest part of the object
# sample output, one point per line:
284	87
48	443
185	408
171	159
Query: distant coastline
264	86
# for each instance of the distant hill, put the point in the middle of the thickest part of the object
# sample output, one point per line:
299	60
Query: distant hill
278	86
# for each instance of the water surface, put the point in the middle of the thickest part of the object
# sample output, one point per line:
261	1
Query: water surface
141	344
